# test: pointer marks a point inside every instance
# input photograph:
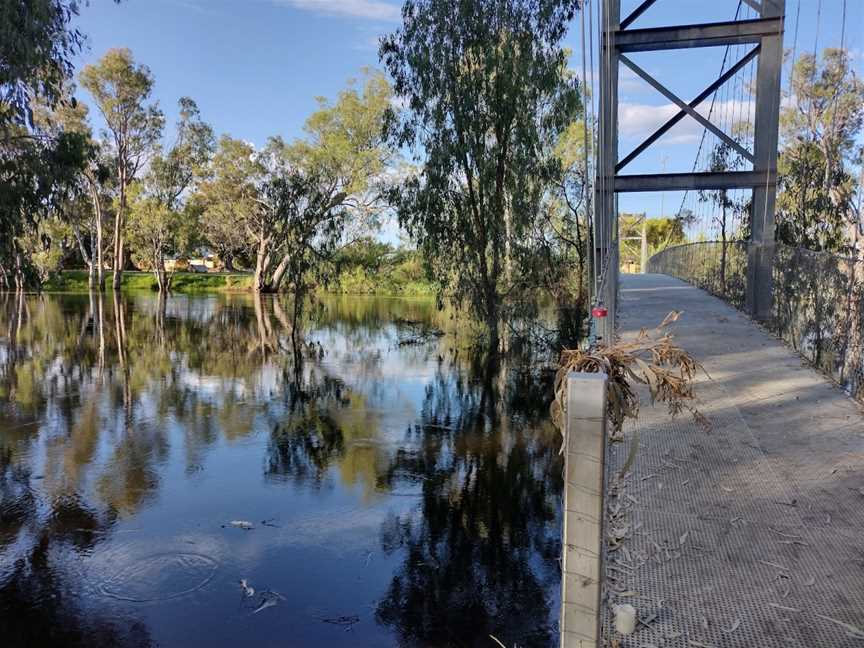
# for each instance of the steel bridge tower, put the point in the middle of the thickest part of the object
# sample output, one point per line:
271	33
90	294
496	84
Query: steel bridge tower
765	34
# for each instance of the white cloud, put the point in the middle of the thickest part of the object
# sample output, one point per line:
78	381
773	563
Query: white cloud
370	9
638	121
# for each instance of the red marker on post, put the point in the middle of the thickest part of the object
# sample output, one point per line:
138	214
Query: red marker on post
599	311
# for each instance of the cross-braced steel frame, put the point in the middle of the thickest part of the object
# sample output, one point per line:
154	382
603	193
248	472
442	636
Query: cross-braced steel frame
765	34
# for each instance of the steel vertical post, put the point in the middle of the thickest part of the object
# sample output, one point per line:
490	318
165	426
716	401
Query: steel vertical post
760	256
605	205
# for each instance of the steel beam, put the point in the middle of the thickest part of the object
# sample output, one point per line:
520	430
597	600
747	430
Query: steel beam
671	96
723	78
638	11
760	260
683	181
703	35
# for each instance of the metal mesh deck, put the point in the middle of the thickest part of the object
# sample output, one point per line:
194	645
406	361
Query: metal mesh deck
749	534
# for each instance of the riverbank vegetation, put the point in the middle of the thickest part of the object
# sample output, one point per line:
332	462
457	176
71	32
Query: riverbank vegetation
471	137
474	146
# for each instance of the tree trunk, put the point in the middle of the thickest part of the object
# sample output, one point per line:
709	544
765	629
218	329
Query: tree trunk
101	331
4	277
86	256
508	233
120	336
160	318
96	252
262	263
279	273
159	272
492	319
91	266
19	274
118	234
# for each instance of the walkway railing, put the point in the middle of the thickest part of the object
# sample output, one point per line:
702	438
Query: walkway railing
818	305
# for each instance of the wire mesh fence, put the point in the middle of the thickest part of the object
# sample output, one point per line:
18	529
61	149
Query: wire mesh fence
718	268
818	306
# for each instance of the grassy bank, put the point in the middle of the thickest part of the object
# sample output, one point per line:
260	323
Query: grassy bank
75	281
386	283
356	281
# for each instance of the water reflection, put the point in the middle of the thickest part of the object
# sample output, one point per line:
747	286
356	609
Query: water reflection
403	479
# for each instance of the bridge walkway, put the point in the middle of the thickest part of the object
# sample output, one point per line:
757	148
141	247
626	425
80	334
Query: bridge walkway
750	533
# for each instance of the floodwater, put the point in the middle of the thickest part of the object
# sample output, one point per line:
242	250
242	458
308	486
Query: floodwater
386	488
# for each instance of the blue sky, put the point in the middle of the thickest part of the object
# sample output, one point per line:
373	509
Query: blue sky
255	67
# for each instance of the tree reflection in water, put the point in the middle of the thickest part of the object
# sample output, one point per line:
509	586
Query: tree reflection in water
482	548
115	411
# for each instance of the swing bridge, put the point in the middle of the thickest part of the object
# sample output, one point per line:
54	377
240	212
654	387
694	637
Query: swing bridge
745	532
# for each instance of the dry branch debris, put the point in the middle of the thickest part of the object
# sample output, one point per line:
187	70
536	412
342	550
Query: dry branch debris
651	359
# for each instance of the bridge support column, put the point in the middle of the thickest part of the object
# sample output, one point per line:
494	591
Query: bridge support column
764	35
760	257
606	204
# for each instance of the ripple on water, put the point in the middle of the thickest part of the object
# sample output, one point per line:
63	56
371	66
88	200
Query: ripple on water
160	577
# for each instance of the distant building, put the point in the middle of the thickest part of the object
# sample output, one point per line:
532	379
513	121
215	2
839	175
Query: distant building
205	263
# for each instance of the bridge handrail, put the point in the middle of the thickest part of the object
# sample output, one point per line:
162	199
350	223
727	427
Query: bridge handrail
818	305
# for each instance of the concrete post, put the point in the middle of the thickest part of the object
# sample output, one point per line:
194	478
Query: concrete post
585	445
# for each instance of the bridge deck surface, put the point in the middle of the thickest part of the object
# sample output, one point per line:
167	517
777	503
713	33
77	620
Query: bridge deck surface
752	533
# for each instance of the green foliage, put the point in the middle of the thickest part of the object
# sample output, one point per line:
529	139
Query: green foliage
486	89
47	246
660	232
820	128
291	205
173	173
37	46
121	90
154	231
38	174
227	199
159	223
370	267
76	281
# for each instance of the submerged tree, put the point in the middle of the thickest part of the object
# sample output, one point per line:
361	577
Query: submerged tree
293	203
160	221
87	222
121	90
37	45
486	88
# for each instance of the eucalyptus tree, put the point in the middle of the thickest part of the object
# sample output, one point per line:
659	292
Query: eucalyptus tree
335	178
486	87
121	91
295	202
37	45
38	174
567	210
227	199
94	182
821	130
159	221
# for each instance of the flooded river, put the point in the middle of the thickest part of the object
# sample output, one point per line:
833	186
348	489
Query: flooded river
175	475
